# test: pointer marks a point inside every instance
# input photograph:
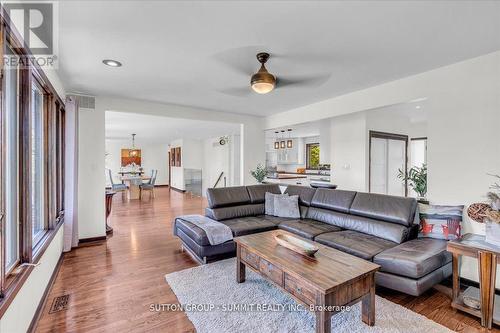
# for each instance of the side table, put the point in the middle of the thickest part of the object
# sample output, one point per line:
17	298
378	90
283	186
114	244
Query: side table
488	255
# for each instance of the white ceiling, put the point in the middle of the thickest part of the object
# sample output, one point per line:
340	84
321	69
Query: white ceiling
185	52
155	129
414	111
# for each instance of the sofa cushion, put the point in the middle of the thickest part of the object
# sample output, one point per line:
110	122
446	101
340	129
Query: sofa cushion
257	193
249	225
286	206
305	193
227	196
388	208
414	258
269	202
307	228
224	213
440	222
275	219
355	243
390	231
338	200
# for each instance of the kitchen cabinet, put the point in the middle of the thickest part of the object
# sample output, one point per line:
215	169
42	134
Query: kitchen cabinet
294	155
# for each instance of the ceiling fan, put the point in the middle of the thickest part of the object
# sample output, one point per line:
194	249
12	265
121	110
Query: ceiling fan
263	82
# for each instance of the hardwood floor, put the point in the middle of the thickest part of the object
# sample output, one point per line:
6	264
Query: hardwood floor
112	285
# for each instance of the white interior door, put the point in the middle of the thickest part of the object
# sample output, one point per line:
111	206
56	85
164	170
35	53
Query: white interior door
396	159
387	156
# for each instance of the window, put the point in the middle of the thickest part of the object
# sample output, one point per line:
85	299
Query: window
312	155
418	152
32	121
11	164
38	220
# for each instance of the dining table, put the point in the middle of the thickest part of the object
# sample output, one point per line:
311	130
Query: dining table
133	182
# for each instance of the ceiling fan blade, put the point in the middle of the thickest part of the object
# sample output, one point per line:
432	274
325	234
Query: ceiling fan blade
238	92
302	81
241	59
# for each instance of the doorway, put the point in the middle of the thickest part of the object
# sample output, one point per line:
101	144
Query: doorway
388	154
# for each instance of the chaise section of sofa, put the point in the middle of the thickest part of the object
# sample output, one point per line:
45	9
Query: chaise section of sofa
414	266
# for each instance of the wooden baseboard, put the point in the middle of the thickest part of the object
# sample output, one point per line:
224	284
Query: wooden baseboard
161	185
43	301
85	241
177	190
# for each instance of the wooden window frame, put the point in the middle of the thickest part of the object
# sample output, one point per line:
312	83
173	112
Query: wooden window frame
53	163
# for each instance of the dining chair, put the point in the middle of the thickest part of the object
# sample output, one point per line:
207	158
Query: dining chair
116	187
149	186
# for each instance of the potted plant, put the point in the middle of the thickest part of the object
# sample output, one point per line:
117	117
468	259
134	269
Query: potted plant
417	180
259	173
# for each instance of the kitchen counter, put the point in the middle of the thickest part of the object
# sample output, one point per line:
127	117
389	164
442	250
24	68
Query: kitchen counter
287	176
307	172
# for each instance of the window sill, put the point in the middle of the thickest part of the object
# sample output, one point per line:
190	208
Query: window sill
17	279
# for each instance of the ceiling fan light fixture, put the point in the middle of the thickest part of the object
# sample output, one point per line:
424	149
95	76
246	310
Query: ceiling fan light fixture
263	82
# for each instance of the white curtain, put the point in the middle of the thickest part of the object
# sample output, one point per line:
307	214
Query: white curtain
71	176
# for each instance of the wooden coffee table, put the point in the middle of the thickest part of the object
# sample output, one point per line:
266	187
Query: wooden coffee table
326	281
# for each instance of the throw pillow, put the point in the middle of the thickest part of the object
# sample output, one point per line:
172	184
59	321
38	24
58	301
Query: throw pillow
287	206
441	222
270	202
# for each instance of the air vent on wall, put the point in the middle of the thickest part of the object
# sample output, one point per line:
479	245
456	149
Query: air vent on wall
84	101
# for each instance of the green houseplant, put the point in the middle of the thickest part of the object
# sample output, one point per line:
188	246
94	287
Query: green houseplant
259	173
416	178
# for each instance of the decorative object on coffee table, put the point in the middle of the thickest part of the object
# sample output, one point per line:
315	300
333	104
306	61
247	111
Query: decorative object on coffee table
473	245
296	244
334	278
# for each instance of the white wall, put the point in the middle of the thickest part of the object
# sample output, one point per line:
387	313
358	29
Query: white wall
348	152
153	156
463	107
91	175
216	159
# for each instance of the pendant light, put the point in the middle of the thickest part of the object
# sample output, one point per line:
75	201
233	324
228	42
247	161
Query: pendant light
276	142
282	142
289	142
133	152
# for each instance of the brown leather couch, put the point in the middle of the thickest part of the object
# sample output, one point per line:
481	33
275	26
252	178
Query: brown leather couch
378	228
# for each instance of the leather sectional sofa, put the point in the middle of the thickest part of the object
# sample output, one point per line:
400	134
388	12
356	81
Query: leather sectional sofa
378	228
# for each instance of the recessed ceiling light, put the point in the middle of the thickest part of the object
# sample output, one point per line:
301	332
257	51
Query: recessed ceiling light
112	63
417	107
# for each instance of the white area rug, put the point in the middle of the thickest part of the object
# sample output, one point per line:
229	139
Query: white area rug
215	284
